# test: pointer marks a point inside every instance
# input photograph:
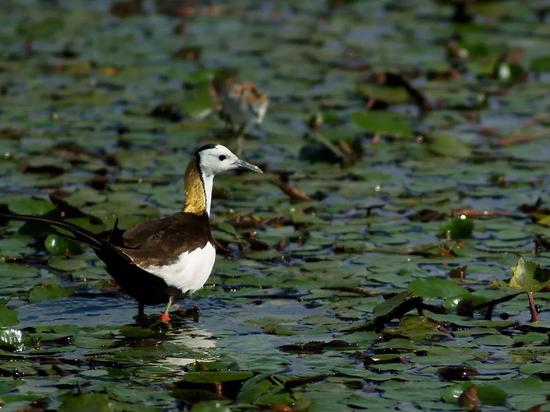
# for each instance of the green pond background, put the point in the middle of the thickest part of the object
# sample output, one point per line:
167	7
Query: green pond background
391	116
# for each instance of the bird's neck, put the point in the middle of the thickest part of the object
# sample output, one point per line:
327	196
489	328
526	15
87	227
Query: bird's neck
198	190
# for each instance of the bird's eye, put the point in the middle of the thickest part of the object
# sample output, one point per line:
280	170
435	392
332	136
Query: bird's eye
222	157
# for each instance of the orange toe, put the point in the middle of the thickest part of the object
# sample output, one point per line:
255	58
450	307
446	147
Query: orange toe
165	317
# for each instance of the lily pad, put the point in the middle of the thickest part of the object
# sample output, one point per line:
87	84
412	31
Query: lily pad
383	123
437	288
88	402
47	291
445	145
8	317
30	206
354	299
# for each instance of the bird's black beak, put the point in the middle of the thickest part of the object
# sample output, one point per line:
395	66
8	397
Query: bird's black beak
241	164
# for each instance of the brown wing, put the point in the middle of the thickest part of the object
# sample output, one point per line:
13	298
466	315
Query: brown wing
160	241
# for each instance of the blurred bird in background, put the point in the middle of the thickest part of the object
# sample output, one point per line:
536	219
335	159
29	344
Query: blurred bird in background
241	105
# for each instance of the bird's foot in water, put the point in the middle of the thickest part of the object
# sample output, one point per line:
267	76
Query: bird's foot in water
165	318
193	313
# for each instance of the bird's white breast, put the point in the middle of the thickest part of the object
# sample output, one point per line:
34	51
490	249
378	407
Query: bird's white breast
190	272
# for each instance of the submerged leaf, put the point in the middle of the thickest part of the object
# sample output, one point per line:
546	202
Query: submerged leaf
416	327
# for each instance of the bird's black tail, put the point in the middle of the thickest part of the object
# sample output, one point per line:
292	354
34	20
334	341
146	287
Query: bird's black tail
78	233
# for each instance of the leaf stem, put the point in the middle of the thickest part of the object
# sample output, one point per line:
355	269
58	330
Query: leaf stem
532	307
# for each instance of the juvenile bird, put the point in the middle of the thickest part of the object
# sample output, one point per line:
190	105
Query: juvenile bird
241	105
162	260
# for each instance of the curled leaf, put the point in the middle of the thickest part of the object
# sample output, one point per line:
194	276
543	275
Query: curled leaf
527	276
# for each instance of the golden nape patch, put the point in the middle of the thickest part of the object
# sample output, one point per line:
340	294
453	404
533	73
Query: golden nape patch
195	197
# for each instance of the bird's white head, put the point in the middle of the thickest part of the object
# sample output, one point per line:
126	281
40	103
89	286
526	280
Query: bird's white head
214	159
209	160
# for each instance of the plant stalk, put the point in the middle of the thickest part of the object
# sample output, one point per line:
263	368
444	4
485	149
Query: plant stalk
532	307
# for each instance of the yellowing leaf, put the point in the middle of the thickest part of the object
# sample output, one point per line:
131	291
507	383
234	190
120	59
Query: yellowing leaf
527	276
545	221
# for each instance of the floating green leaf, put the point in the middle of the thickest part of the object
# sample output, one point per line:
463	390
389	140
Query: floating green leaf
436	288
323	319
446	145
198	101
8	317
211	406
30	206
383	122
87	402
264	389
541	64
48	290
388	94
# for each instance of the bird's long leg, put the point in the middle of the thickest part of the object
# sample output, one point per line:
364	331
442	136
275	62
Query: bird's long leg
141	310
240	139
165	317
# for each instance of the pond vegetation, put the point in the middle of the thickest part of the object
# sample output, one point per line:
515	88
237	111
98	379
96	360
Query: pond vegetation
406	155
